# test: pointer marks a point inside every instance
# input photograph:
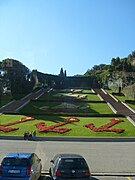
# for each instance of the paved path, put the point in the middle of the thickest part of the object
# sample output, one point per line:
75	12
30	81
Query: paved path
16	105
119	107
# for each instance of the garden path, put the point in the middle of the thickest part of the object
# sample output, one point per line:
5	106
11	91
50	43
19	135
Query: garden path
15	105
120	108
117	105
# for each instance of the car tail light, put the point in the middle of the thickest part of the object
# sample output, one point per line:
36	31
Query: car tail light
0	169
57	173
29	170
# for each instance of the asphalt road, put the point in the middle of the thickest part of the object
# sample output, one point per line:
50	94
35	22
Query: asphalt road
102	157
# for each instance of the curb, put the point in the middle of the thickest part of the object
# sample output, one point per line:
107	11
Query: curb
114	174
119	174
73	139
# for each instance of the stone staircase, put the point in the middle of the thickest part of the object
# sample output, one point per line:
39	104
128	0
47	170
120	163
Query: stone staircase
119	107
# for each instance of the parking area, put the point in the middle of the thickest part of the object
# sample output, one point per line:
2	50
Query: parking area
101	156
46	177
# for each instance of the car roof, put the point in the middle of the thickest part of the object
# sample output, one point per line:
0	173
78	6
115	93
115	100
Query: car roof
18	155
69	156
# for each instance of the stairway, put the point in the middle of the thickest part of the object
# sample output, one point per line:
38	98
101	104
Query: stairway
117	105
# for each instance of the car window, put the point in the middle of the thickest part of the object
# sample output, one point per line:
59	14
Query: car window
72	164
15	162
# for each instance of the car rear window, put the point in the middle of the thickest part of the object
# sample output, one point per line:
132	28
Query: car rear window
15	162
73	163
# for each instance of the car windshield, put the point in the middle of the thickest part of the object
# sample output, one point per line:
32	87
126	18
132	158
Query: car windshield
15	162
72	164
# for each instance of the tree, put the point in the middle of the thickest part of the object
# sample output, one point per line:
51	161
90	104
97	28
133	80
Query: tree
18	75
65	73
61	72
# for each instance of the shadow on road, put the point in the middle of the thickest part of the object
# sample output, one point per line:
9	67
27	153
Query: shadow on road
94	178
49	178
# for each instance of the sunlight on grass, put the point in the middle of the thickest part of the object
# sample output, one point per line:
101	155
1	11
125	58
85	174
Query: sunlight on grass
78	128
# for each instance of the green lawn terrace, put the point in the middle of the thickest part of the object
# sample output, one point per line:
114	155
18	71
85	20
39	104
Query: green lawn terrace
76	128
122	98
71	102
50	112
4	99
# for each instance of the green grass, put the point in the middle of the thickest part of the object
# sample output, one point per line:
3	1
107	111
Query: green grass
78	128
5	99
109	91
132	105
87	91
90	97
122	99
93	97
97	108
100	108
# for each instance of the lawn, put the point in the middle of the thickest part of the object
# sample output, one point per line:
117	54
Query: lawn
42	107
50	96
46	103
122	99
49	103
75	126
132	105
5	99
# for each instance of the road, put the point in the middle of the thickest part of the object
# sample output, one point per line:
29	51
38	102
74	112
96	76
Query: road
117	158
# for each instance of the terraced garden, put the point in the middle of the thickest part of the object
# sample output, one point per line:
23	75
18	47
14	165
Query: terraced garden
67	113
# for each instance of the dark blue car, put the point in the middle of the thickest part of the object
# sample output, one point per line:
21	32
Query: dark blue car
69	167
17	166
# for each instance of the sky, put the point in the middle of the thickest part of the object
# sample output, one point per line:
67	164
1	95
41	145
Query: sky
75	35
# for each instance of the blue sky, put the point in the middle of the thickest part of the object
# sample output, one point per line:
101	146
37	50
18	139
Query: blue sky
75	35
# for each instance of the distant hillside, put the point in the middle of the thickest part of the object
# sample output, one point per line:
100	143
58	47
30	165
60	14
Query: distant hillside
123	68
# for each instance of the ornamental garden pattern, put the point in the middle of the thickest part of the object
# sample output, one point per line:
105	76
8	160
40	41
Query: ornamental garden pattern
42	127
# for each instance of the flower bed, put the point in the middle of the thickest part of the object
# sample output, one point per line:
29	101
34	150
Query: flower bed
106	127
42	127
53	128
19	121
5	127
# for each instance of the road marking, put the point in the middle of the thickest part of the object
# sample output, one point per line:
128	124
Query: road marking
129	178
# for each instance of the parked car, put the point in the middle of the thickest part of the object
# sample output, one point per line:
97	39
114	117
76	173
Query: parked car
20	166
69	166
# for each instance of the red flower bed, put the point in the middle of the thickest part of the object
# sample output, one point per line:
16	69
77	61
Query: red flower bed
19	121
5	127
53	128
106	127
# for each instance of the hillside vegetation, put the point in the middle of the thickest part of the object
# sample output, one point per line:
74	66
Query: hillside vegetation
118	76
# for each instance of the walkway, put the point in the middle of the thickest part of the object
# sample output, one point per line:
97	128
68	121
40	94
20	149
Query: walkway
16	105
119	107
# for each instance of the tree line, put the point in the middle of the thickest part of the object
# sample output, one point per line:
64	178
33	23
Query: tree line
123	68
21	80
